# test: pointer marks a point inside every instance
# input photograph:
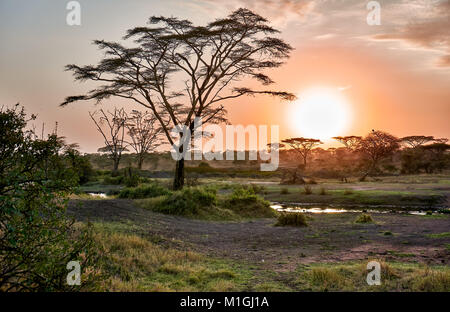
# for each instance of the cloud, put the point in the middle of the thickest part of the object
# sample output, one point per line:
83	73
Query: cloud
279	12
431	31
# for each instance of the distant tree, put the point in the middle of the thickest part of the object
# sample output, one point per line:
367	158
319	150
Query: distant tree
208	61
111	125
415	141
376	146
351	142
37	239
302	146
144	132
438	159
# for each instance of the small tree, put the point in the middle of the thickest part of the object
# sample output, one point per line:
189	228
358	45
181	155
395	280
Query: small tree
377	146
113	134
302	146
144	131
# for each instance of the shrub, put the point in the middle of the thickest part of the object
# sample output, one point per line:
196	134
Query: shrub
37	239
364	218
322	191
144	191
108	180
187	202
348	192
307	190
291	219
246	203
284	191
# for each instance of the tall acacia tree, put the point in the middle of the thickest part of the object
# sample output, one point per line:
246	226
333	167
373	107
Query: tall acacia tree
181	71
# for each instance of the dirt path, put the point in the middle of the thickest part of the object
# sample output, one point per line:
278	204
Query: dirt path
329	237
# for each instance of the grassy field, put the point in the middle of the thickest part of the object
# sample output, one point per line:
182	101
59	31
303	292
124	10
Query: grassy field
221	235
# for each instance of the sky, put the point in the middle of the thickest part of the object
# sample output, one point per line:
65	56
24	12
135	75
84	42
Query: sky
394	76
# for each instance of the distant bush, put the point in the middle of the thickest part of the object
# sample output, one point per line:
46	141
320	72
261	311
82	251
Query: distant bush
322	191
144	191
307	190
284	191
108	180
348	192
364	218
291	219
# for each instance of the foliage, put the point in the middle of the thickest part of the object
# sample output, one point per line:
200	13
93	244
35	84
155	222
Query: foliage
144	191
364	218
37	240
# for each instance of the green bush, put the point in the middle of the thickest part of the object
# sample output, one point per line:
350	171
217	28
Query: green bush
144	191
291	219
246	203
284	191
108	180
37	239
187	202
364	218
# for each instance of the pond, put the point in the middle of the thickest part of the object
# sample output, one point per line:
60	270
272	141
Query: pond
101	195
309	209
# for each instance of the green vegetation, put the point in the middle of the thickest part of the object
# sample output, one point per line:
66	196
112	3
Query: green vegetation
132	262
204	203
364	218
291	219
37	240
144	191
439	235
394	277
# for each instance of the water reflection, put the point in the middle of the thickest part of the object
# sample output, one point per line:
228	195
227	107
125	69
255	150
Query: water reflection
287	208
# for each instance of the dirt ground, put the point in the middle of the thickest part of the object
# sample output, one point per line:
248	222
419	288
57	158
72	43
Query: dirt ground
328	238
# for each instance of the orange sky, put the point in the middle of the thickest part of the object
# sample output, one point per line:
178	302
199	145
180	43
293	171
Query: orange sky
396	75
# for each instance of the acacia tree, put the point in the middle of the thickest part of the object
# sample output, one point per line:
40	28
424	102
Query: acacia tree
144	132
113	134
351	144
415	141
181	71
302	146
376	146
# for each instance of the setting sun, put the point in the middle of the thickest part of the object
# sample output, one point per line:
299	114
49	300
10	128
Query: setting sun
320	113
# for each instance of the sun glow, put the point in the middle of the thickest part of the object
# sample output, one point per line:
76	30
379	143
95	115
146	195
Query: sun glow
320	113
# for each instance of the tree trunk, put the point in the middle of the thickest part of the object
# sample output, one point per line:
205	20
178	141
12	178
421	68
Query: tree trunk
178	181
116	165
140	161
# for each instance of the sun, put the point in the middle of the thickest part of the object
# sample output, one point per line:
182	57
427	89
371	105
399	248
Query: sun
320	113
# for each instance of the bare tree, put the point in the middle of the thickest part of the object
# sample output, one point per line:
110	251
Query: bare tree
302	146
207	62
376	146
415	141
112	127
144	132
